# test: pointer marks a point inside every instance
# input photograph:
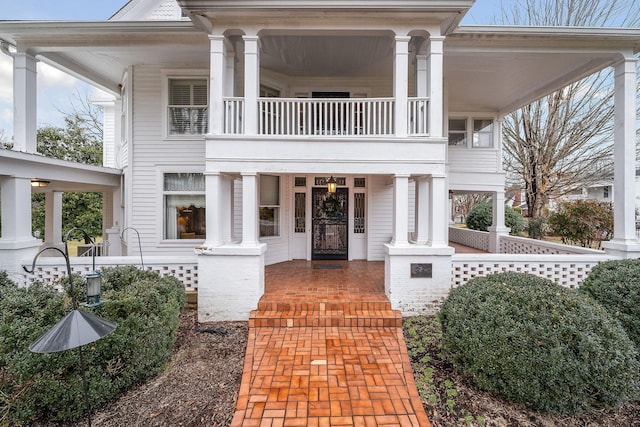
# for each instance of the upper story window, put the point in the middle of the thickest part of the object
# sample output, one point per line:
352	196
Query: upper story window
188	106
471	132
458	132
483	133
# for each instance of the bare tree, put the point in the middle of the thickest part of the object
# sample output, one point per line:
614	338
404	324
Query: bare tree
564	140
86	114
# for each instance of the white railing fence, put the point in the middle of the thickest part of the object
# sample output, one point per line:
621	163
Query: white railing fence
418	116
305	116
565	270
471	238
52	269
523	245
233	114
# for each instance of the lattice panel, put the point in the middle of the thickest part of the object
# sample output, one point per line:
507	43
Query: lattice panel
520	245
471	238
567	274
185	272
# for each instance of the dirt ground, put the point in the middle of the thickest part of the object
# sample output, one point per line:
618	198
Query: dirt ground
199	387
201	383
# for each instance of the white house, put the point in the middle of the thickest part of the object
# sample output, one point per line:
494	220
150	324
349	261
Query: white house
231	116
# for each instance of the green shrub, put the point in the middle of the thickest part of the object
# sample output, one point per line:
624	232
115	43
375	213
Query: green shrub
538	228
481	217
616	286
48	387
539	344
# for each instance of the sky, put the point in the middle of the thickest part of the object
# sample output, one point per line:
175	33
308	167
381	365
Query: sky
57	90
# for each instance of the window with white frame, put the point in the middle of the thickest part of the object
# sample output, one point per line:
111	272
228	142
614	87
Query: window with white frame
458	132
187	109
483	133
184	206
269	206
471	132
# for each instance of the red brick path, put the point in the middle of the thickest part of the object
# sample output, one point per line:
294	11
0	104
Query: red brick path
325	349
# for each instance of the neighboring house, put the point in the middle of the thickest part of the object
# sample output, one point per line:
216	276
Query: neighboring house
231	117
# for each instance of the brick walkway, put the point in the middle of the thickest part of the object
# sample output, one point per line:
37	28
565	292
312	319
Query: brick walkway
325	349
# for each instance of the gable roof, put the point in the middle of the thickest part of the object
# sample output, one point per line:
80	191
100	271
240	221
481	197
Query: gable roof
149	10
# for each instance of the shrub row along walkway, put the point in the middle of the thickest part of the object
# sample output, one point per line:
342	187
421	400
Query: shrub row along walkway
325	349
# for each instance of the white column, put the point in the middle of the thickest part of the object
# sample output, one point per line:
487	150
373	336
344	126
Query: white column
422	211
249	209
213	206
226	211
438	222
498	227
24	102
422	76
401	83
217	73
436	86
16	209
400	209
251	84
53	218
230	72
624	151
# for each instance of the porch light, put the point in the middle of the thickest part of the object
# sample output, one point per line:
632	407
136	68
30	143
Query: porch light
331	185
94	289
39	183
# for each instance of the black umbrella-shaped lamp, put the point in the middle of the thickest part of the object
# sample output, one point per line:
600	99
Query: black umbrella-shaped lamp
74	330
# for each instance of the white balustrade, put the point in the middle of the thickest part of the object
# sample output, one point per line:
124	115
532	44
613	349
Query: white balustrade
418	117
233	115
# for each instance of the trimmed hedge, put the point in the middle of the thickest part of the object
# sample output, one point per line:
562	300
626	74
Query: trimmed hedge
48	387
481	217
616	285
534	342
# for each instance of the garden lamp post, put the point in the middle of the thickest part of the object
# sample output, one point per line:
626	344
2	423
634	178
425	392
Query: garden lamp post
78	327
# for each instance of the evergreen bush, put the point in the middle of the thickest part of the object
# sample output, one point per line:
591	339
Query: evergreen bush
481	217
534	342
48	387
616	286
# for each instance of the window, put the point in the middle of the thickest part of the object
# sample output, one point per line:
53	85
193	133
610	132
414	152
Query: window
358	213
184	206
300	210
188	106
483	133
269	206
458	132
605	193
481	136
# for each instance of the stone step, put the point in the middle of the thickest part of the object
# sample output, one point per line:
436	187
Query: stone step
325	318
324	306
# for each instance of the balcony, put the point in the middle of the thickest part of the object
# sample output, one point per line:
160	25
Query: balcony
328	117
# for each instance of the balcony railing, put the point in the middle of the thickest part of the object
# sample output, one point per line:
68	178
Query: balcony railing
327	117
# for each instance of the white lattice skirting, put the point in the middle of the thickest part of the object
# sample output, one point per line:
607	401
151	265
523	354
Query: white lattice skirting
567	270
184	268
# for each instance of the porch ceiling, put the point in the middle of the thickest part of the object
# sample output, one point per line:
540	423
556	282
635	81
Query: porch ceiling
62	175
487	69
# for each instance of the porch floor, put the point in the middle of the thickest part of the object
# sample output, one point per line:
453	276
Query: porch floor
326	349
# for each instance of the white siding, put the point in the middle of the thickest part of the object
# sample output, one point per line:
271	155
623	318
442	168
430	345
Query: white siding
154	154
380	215
474	160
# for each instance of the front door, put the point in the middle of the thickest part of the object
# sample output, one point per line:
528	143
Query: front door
330	224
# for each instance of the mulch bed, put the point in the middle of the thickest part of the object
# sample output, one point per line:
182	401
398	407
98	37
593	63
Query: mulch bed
199	386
